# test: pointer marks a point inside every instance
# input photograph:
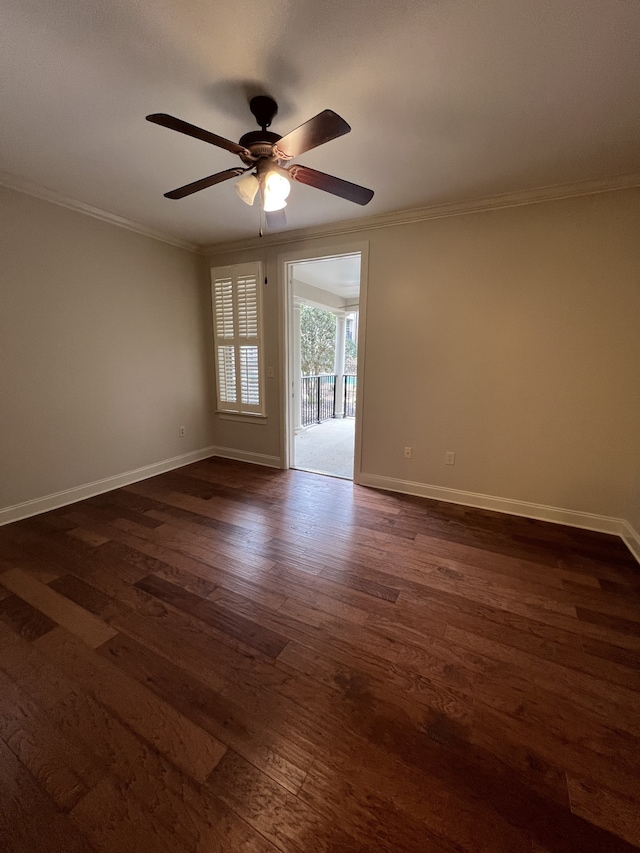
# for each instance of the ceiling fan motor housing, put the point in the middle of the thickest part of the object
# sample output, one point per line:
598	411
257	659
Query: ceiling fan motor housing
264	109
260	143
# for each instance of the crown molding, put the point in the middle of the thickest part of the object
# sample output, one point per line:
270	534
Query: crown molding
349	226
14	182
423	214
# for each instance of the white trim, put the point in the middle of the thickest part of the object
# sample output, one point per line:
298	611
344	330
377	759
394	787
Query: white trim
286	303
98	487
588	521
349	226
422	214
540	512
631	539
247	456
22	185
242	417
361	369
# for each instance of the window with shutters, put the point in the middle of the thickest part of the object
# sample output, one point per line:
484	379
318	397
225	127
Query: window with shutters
237	330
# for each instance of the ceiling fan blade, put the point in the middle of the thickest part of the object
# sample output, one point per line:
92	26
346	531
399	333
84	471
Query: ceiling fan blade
276	219
330	184
322	128
203	183
197	132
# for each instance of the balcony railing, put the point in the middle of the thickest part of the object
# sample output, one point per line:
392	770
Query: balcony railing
318	398
350	382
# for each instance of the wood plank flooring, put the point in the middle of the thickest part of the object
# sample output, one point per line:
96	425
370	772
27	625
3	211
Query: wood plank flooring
231	658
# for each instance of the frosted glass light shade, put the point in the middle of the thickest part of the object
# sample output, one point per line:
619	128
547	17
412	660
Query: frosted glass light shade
276	190
247	187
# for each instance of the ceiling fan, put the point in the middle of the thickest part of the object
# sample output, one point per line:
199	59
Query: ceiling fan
266	156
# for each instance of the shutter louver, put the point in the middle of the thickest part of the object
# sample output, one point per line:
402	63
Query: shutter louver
224	308
227	375
247	307
249	376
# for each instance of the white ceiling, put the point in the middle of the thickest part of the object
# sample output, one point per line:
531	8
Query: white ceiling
449	100
340	276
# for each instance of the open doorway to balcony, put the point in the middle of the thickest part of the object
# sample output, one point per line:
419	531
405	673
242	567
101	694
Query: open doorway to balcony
323	341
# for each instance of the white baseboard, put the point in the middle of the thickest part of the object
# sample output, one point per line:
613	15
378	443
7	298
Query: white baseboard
584	520
98	487
247	456
631	539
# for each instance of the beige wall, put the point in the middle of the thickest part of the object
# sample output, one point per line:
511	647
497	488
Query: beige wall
105	350
633	509
510	337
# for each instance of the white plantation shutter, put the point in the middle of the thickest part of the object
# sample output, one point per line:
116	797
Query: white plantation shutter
249	376
224	308
227	374
247	290
237	329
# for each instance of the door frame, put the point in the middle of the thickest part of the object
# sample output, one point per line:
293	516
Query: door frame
285	262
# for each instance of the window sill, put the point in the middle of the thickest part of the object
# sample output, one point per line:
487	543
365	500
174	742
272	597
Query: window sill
247	417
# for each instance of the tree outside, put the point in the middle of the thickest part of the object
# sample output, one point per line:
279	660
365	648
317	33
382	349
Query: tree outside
351	357
317	340
318	343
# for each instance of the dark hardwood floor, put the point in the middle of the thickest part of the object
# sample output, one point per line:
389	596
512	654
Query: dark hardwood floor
233	658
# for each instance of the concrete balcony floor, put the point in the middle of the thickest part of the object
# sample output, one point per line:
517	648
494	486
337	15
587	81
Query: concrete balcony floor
327	448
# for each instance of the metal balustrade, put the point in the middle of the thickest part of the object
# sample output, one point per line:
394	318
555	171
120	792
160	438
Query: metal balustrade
318	398
350	383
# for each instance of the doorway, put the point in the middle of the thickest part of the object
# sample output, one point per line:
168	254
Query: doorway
324	358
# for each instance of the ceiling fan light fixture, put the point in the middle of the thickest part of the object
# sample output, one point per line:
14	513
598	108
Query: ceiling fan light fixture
247	187
264	155
276	191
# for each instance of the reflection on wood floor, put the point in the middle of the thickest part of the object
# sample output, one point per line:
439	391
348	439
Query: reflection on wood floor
233	658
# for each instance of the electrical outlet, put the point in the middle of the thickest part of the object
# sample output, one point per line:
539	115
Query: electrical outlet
182	431
450	458
407	453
